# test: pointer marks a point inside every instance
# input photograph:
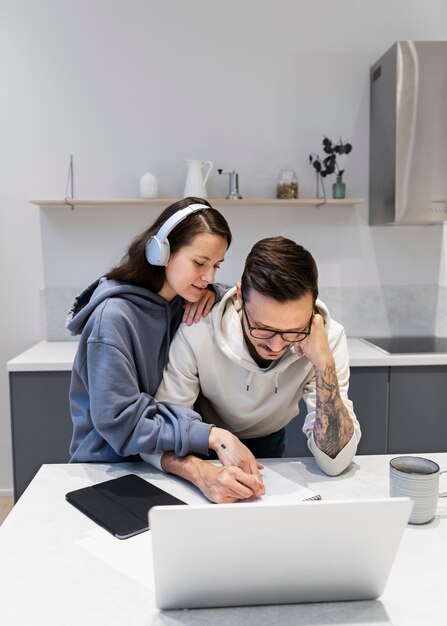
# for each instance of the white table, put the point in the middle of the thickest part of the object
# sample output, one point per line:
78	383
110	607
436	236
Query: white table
57	567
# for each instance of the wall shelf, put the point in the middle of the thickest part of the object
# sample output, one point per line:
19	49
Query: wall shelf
78	202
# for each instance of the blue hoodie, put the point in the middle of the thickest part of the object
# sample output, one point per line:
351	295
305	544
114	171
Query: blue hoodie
125	332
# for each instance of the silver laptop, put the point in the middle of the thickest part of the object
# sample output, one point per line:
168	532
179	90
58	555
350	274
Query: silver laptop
252	553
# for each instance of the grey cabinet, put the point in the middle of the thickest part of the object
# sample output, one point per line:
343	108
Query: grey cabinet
417	410
40	422
296	441
368	391
400	409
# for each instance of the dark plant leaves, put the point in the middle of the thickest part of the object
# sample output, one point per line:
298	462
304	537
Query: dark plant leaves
328	165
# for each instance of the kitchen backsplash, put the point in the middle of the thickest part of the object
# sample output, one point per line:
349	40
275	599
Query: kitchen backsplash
379	311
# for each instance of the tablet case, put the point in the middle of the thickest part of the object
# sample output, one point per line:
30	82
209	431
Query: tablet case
121	505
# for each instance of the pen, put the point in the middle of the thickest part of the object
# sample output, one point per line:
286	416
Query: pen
228	454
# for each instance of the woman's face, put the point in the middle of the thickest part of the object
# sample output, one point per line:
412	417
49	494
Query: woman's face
193	267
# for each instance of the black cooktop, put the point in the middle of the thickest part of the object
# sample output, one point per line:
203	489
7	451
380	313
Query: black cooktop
410	345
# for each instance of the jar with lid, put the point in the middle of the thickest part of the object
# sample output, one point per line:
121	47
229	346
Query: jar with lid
287	185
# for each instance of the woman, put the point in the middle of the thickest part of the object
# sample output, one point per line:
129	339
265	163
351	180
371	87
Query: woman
126	321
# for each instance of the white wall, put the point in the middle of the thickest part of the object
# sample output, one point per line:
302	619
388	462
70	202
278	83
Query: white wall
128	86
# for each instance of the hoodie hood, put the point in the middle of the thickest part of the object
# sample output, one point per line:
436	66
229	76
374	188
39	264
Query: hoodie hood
230	338
88	300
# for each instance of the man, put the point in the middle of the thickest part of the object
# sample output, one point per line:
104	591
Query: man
267	344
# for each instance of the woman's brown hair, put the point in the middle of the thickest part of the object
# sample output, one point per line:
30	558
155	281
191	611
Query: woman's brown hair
134	268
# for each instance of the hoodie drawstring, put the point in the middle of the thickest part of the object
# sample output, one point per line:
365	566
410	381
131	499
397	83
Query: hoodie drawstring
249	379
276	383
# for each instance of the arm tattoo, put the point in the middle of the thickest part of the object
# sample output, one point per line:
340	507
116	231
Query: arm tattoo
333	427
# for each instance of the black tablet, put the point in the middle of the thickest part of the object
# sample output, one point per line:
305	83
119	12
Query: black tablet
121	505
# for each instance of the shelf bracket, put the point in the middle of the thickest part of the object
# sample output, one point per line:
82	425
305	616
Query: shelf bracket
321	203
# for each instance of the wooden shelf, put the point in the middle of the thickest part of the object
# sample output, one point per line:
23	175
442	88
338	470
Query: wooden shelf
76	202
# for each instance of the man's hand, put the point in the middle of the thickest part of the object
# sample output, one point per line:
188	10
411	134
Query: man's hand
218	484
228	484
316	346
234	451
194	311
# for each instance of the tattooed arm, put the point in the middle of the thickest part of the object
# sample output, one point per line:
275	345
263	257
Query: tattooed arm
334	429
333	426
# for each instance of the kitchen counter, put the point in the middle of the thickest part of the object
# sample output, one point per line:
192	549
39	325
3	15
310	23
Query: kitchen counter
45	356
59	567
59	355
362	354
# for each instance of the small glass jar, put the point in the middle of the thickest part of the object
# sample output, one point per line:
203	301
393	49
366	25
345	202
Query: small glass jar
287	185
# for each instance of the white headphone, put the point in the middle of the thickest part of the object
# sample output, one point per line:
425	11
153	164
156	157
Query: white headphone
158	249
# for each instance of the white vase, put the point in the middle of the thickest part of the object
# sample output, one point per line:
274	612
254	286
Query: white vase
148	186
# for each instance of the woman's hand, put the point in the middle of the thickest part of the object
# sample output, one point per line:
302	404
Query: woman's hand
194	311
232	452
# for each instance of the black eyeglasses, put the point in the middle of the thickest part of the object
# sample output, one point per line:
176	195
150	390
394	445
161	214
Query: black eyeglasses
286	335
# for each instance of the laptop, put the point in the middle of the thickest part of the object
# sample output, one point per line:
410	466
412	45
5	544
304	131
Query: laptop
253	553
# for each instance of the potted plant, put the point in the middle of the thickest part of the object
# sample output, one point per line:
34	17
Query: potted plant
328	165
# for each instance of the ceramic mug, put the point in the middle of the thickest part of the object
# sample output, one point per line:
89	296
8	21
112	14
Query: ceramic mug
417	478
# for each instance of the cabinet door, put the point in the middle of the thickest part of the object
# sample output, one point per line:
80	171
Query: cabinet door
296	440
40	421
368	390
418	417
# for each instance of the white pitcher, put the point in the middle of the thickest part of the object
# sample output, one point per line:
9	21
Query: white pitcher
195	181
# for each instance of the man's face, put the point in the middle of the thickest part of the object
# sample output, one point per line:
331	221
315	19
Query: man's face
263	312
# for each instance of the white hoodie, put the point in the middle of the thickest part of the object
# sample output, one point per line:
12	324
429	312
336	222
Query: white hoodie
212	358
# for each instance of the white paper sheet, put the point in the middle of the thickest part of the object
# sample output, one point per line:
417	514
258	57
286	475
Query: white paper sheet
279	489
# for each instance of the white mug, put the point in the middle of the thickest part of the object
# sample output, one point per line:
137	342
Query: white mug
417	478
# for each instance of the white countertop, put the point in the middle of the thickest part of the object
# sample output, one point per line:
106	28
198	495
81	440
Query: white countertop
363	354
45	356
59	355
59	567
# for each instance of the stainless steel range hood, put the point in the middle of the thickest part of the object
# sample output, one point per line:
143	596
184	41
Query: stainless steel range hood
408	134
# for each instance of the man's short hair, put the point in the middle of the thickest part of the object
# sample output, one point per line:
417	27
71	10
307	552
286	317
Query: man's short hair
281	269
